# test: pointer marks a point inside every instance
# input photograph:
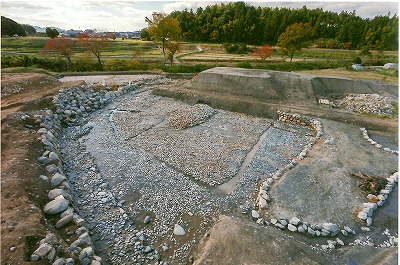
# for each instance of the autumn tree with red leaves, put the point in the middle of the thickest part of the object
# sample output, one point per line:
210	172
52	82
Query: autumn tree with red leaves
94	44
263	52
62	46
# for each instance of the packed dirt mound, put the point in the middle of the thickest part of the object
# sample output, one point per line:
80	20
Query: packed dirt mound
27	91
268	85
285	87
15	83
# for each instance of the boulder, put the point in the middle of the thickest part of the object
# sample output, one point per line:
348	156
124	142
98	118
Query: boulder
58	205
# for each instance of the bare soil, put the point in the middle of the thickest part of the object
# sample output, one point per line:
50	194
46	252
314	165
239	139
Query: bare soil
23	193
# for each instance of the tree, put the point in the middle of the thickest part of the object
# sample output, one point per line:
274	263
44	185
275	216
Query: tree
9	27
263	52
52	33
113	36
62	45
294	38
144	34
94	44
164	29
173	47
29	30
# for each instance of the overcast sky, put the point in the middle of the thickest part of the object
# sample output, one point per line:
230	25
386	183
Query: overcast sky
130	15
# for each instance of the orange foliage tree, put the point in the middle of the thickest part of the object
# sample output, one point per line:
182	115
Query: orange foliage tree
93	43
173	47
62	46
263	52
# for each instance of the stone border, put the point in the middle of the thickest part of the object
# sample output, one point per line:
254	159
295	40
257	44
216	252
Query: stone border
374	202
377	145
263	198
325	229
73	105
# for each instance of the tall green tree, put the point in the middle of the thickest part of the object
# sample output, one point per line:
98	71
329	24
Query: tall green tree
9	27
294	38
52	33
164	29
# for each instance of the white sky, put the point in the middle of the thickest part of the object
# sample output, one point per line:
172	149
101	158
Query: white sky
127	15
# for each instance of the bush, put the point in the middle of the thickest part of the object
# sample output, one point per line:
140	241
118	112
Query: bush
237	48
186	68
356	60
295	66
85	65
53	64
124	65
244	64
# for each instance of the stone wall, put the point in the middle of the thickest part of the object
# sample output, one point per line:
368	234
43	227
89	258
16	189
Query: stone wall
72	107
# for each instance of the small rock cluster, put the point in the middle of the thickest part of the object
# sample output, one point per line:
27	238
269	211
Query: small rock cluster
72	106
392	240
376	201
363	103
332	244
190	116
263	197
366	137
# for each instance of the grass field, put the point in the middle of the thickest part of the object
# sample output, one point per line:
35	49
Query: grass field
122	55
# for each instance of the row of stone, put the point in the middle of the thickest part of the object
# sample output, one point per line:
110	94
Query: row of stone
297	119
263	198
376	201
61	201
72	106
371	141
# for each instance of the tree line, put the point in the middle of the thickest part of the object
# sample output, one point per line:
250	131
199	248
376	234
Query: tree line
10	28
242	23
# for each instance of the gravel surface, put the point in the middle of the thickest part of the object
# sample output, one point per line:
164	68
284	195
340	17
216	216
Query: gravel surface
136	178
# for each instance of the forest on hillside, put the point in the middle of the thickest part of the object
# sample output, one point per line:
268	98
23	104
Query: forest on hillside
242	23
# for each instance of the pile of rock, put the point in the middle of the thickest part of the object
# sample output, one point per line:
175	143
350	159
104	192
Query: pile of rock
78	102
190	116
376	201
371	141
366	103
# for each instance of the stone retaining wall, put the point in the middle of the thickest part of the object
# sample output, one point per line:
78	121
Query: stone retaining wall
72	105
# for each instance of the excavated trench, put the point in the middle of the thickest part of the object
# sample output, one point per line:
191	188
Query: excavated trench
130	164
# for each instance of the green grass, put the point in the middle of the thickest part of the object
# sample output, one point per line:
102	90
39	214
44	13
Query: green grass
137	55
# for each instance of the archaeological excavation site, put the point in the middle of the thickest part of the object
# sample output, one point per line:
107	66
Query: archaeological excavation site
229	166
